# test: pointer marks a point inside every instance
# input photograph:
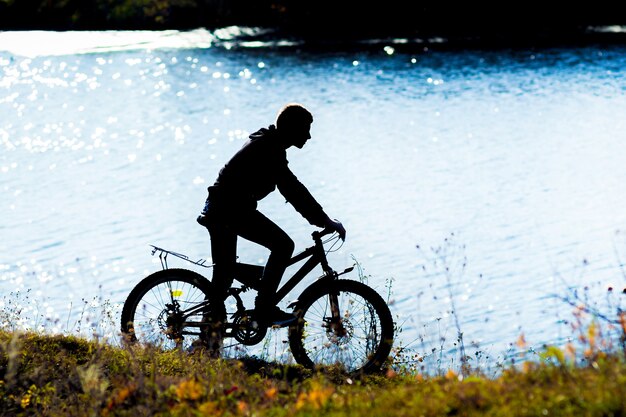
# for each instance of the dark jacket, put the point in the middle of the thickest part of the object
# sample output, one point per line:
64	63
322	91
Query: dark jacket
256	170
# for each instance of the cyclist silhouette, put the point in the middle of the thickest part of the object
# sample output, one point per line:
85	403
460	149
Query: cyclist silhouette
230	210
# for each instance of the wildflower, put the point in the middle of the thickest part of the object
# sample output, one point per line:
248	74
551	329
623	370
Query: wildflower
579	311
527	367
622	320
242	407
554	353
570	351
189	390
451	374
521	341
210	408
592	332
121	396
271	393
317	397
26	400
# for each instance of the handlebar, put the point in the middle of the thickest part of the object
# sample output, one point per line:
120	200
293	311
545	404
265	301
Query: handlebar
320	234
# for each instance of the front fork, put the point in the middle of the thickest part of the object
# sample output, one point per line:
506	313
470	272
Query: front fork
336	323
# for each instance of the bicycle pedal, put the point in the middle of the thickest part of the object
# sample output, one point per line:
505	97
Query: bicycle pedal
283	323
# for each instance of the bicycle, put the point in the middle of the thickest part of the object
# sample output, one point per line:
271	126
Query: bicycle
340	321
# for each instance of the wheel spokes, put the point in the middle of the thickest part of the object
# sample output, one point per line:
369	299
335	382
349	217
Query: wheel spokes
164	313
348	339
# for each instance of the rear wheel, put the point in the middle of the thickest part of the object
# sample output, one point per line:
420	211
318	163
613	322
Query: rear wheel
358	339
169	309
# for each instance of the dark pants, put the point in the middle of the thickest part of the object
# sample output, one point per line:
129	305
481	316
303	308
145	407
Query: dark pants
224	227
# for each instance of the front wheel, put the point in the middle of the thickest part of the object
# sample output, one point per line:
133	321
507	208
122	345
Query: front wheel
168	309
344	323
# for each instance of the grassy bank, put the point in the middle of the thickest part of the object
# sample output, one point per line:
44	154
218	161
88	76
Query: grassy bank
69	376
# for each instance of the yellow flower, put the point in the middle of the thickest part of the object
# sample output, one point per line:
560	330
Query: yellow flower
26	400
451	374
124	393
242	407
189	390
210	408
317	397
271	393
592	332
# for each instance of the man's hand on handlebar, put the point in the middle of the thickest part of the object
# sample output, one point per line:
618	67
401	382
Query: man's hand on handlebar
337	227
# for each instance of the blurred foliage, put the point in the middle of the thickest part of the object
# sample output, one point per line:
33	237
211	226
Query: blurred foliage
131	14
345	18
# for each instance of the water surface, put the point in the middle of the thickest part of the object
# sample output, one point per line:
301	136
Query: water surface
513	161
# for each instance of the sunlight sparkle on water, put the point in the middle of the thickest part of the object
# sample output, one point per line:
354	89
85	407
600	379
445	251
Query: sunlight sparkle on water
37	43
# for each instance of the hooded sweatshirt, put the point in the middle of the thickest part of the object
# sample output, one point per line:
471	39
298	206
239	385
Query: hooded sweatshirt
256	170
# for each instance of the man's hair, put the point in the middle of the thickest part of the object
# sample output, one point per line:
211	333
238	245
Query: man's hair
293	114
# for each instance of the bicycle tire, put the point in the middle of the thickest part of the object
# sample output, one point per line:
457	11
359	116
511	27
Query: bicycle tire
367	321
146	317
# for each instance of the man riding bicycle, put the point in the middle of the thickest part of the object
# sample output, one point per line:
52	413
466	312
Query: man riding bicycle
230	210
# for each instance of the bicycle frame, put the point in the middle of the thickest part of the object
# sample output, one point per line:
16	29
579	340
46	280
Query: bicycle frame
316	256
250	275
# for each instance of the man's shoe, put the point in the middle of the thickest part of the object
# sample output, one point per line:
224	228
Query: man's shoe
274	316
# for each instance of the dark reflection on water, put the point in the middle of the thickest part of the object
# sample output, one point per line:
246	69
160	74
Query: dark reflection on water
519	154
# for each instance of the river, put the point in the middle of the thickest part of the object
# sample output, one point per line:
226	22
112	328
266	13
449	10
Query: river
474	185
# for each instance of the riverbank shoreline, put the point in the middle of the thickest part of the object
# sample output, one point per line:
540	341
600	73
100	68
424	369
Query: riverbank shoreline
67	375
337	25
234	37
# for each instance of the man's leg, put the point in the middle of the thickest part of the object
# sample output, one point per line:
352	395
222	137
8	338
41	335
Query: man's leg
257	228
224	254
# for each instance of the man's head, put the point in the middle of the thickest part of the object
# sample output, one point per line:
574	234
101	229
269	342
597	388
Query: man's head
294	124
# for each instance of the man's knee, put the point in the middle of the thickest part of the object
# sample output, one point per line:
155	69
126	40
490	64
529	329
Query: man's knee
284	247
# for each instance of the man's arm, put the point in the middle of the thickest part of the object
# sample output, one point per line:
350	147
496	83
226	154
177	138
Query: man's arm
301	199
